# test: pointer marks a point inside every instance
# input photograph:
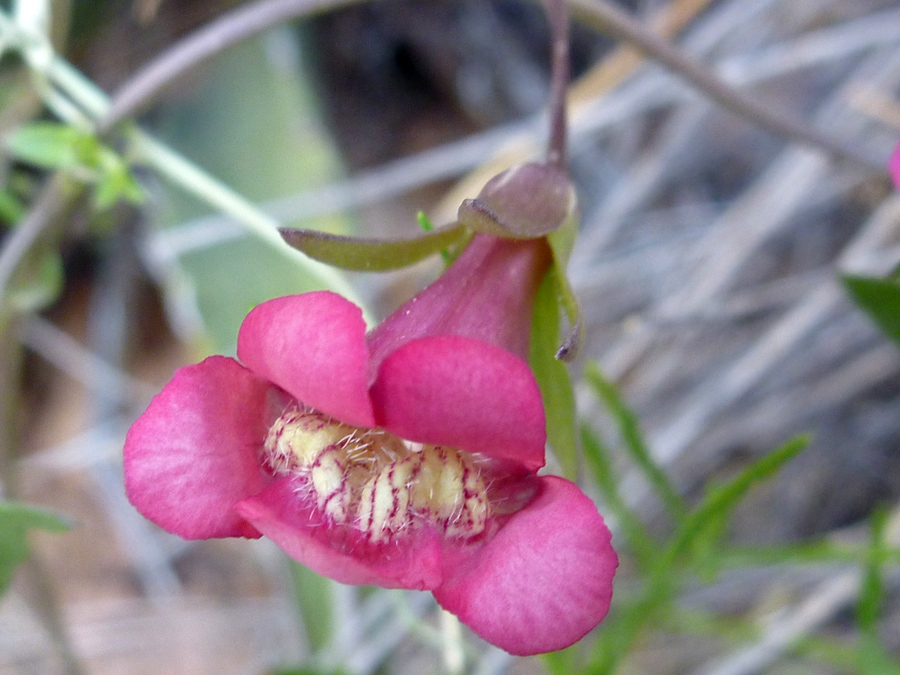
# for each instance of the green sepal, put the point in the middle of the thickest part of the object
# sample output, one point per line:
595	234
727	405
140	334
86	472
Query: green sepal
374	255
561	242
880	298
16	520
553	379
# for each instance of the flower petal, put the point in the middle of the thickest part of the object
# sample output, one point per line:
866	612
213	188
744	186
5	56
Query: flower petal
544	580
894	166
465	393
312	346
193	454
487	294
339	551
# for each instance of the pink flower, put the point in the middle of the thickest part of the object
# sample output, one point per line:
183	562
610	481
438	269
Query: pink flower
406	459
894	166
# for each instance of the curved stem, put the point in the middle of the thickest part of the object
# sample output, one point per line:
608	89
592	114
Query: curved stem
606	17
558	16
142	88
55	198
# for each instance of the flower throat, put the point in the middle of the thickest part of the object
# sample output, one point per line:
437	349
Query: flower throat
375	481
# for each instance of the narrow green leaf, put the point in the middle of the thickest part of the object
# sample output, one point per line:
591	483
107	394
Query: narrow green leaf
633	440
816	551
48	144
704	555
871	595
553	379
15	521
106	192
599	459
660	585
372	255
12	210
562	242
313	597
562	662
38	280
301	670
873	658
114	184
880	298
725	498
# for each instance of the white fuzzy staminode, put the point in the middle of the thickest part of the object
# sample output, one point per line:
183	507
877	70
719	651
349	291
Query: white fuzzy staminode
376	482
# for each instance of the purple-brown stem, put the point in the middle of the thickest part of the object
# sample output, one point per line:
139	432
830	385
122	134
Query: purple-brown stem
558	17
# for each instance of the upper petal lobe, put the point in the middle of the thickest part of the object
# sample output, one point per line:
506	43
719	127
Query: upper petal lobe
465	393
312	346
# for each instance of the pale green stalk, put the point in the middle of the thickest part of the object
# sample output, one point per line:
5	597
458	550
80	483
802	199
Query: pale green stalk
191	178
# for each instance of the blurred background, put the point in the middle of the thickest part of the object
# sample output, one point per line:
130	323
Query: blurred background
709	268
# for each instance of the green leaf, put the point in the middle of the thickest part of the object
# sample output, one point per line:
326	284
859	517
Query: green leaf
873	658
277	146
38	279
880	298
562	662
57	146
561	242
49	145
16	520
301	670
871	596
725	498
372	255
116	184
314	599
553	379
599	459
815	551
12	210
633	439
660	585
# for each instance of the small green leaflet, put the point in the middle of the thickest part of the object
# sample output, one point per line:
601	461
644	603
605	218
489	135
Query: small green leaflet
51	145
880	298
373	255
16	520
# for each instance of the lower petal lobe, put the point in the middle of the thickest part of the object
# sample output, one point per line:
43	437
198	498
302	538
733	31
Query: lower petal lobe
543	581
194	453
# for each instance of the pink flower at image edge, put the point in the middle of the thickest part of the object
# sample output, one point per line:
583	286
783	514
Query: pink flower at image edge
537	575
894	166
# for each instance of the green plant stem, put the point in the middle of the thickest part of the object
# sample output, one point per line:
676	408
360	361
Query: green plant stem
558	17
191	178
57	196
633	440
176	168
37	587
